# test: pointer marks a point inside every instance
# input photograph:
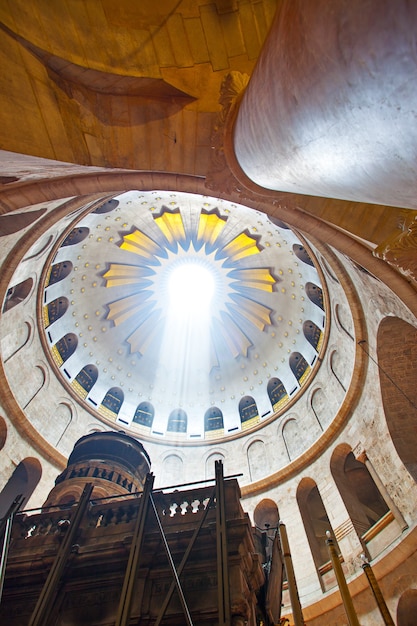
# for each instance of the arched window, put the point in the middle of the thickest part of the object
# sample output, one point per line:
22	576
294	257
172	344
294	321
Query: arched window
266	519
144	414
17	294
210	463
276	393
54	310
85	380
3	432
64	348
177	421
302	254
107	206
248	412
315	294
75	236
344	318
172	470
397	361
10	224
112	402
213	422
22	482
299	367
58	272
313	334
362	499
407	608
316	524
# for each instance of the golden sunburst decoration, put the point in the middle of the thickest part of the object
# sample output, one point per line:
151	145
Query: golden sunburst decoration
143	302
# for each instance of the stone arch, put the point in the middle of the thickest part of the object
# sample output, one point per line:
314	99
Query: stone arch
337	369
62	417
315	520
318	402
397	362
23	482
40	248
10	224
38	381
16	340
344	321
3	432
407	608
210	463
172	470
256	454
266	514
292	438
17	294
357	489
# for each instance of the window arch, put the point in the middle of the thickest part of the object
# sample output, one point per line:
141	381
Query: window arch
177	421
107	206
58	272
315	294
64	348
397	362
23	482
316	523
54	310
344	320
358	490
257	459
172	470
3	432
210	463
407	608
302	254
112	402
248	411
313	334
277	393
292	439
85	380
75	236
17	294
213	422
299	367
144	414
336	365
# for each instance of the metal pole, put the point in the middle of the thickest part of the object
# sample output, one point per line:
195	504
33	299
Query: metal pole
341	581
297	612
44	606
125	603
223	590
7	523
375	588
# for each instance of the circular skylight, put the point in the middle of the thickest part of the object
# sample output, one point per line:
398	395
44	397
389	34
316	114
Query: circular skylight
181	316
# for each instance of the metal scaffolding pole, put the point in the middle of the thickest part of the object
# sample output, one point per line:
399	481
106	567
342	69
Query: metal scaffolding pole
223	589
125	603
7	523
48	595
